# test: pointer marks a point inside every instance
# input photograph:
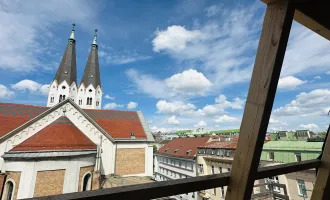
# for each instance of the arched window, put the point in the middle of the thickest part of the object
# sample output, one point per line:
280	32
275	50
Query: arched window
8	191
87	101
87	182
97	103
90	101
63	97
51	99
90	90
60	98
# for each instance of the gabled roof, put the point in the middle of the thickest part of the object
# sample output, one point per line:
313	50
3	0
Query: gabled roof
116	124
14	115
184	145
232	144
59	135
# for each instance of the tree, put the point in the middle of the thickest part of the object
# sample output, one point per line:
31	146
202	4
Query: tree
155	148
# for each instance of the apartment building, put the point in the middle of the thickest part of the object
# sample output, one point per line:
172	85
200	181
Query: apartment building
177	159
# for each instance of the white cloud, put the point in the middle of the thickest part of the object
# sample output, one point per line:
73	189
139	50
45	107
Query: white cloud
189	82
289	82
328	72
213	10
314	103
112	106
120	58
31	86
156	129
109	97
175	107
311	126
273	121
132	105
174	38
172	120
5	93
27	30
226	119
216	126
317	77
200	124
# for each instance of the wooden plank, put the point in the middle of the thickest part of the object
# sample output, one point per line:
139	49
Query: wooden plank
276	170
322	184
180	186
149	190
266	72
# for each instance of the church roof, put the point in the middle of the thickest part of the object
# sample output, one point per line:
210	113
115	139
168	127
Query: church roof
92	69
15	115
67	70
59	135
118	124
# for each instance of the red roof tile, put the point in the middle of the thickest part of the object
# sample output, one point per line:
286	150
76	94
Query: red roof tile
60	135
14	115
232	144
184	145
118	124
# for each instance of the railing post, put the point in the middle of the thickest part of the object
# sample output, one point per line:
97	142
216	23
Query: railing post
259	103
321	189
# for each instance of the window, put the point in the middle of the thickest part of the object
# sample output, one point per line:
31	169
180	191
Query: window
176	150
298	157
228	169
272	180
212	152
166	150
188	152
180	163
8	191
97	103
271	156
60	98
63	97
87	182
301	187
90	90
51	99
63	87
80	101
220	170
212	169
90	101
201	168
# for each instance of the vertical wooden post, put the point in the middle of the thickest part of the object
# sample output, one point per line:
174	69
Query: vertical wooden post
322	184
259	103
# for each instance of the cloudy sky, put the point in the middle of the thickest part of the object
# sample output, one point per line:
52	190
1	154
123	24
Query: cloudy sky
184	64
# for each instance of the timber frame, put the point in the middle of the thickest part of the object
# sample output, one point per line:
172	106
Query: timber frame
313	14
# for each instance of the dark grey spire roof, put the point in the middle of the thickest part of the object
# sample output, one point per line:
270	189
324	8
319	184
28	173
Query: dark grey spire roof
92	69
67	70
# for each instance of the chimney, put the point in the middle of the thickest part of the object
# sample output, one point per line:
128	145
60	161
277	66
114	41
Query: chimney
132	135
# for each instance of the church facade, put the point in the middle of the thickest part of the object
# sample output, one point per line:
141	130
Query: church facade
72	144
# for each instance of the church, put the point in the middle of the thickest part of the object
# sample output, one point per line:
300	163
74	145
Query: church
72	144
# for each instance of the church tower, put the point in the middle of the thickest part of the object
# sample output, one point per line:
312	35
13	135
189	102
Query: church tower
64	84
90	92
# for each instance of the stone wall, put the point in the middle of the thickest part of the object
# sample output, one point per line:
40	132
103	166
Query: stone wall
49	183
2	182
130	161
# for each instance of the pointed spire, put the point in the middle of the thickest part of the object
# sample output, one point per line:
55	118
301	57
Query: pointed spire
67	71
72	32
95	37
92	69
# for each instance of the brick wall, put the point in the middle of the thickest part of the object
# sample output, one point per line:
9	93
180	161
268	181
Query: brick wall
2	182
49	183
15	176
83	170
130	161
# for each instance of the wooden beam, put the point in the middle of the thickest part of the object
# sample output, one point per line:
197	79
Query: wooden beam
259	103
179	186
321	189
314	15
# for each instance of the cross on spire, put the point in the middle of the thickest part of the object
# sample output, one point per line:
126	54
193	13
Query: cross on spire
72	32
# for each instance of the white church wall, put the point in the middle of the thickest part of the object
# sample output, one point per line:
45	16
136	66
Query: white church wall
81	96
73	91
29	171
52	94
98	98
90	93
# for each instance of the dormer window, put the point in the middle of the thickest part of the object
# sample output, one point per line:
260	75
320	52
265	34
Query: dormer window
176	150
90	90
166	150
188	152
63	87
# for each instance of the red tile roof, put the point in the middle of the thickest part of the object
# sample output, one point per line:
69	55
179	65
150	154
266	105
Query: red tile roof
14	115
184	145
118	124
60	135
221	144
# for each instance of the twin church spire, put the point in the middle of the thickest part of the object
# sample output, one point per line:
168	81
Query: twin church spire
88	94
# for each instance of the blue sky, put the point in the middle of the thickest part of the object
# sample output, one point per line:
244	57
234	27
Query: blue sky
184	64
